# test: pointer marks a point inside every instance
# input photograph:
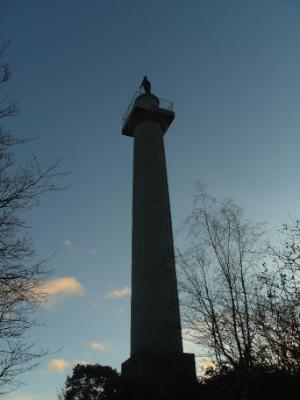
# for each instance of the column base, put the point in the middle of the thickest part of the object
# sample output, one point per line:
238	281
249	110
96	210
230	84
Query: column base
161	368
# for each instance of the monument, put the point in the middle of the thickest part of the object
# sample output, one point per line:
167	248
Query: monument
156	343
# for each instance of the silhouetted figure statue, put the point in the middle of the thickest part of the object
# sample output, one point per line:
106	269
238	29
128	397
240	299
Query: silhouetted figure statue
146	85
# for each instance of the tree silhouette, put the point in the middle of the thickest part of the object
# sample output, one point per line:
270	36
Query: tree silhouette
20	277
218	281
92	382
279	301
241	301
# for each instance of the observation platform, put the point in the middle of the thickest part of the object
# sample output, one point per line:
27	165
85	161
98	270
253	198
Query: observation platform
147	106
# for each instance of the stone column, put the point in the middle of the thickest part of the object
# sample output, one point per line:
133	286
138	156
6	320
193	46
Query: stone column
155	320
156	342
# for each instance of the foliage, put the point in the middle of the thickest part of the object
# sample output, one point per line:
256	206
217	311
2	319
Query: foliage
97	382
92	382
262	384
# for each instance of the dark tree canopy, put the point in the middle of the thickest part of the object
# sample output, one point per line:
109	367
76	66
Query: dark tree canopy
92	382
97	382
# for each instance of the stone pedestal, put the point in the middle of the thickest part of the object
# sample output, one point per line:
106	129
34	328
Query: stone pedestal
161	368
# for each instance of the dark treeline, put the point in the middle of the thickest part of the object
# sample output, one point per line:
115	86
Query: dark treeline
97	382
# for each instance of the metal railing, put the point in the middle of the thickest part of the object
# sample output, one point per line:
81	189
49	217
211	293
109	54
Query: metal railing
163	103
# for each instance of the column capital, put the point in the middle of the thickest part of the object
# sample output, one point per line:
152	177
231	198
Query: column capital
147	107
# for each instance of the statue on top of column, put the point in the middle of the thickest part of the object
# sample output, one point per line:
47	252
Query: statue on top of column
146	85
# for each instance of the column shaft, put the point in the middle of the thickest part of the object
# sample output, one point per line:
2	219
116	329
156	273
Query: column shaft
155	318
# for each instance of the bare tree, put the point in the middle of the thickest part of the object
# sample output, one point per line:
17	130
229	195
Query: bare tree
278	302
20	276
217	281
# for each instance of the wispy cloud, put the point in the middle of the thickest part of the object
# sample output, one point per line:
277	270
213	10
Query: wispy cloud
54	290
58	365
68	244
97	346
117	293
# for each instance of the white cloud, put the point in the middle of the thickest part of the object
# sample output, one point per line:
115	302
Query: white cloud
58	365
53	290
68	244
204	366
116	294
97	346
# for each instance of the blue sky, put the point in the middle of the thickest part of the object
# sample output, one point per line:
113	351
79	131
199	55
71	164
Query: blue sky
232	70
